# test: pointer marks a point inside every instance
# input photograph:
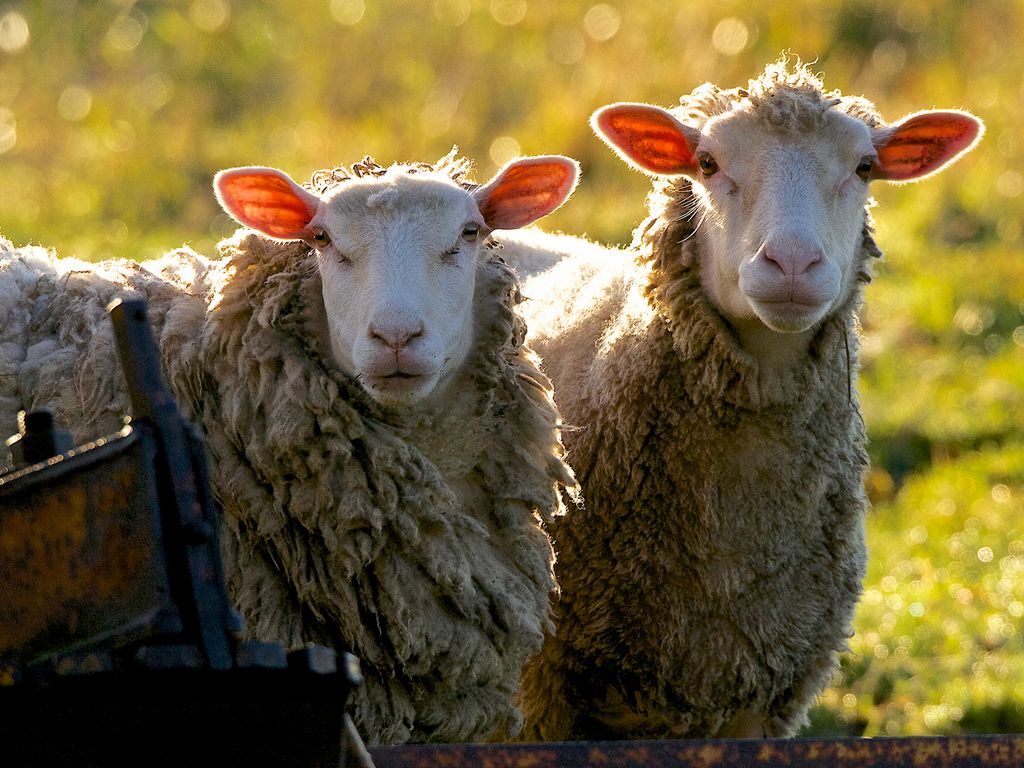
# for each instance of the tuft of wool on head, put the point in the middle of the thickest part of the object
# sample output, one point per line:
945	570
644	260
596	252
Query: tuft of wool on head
452	165
787	99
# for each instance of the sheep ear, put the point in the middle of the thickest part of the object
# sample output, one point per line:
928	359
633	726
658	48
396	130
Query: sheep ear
526	189
924	143
648	138
266	200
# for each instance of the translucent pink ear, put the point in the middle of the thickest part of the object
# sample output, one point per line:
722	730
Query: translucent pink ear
266	200
924	143
648	138
526	189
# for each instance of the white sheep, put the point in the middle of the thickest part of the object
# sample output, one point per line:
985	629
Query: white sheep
710	575
384	447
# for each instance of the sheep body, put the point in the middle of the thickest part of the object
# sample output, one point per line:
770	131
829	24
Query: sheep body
415	545
703	573
710	575
411	538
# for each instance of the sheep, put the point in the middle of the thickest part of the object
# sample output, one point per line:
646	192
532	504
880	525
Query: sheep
707	378
383	445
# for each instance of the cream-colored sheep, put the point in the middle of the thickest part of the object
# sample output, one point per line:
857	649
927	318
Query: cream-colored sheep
384	447
709	577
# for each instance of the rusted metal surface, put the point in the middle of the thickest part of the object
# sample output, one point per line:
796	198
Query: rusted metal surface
916	752
118	642
80	559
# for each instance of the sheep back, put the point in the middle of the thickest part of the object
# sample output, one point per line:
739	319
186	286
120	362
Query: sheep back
57	347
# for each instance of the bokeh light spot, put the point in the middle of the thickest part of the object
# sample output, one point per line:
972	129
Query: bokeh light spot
120	137
731	36
348	12
503	149
566	46
8	130
1000	493
14	34
156	91
1010	183
210	15
125	33
508	13
74	104
889	57
452	12
602	22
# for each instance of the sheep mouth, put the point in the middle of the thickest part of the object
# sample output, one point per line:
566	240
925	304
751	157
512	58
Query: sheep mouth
398	382
401	375
398	379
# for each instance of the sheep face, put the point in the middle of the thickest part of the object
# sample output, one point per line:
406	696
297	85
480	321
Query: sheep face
397	256
782	204
782	225
398	276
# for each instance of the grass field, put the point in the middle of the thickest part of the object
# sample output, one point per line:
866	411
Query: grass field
115	114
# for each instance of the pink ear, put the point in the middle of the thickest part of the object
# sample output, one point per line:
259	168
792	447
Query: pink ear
526	189
924	143
266	200
649	138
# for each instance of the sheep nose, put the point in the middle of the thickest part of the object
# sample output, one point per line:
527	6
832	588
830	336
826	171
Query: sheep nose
793	256
396	335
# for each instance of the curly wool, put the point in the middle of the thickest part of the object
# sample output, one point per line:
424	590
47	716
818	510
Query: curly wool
714	569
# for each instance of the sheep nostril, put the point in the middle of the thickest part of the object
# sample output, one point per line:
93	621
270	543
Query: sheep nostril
395	336
793	259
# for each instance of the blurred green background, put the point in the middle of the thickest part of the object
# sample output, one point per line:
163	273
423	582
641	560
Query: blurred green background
115	114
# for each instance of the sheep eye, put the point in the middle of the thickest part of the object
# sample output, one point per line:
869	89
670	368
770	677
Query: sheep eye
864	168
707	164
470	232
321	238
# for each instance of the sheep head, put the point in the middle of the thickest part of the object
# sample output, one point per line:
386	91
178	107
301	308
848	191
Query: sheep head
397	255
780	174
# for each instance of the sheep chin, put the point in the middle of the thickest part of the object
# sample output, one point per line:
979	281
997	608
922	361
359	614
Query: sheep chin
789	316
400	391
